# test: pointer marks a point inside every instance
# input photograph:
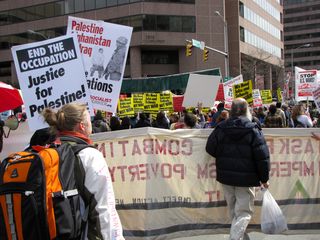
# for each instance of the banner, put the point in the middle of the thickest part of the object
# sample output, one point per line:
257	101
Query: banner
227	88
50	74
243	90
266	96
104	48
165	185
306	82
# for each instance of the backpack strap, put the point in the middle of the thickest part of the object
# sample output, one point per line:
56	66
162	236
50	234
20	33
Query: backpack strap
77	145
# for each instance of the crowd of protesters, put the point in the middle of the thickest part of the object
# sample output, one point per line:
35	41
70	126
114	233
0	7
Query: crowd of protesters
276	115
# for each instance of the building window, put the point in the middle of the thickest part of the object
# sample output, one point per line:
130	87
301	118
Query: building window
242	34
241	9
159	57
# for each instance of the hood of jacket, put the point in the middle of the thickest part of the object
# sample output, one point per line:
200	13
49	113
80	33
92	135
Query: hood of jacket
237	127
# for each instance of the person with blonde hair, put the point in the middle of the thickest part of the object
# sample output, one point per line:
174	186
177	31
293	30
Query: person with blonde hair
300	118
72	123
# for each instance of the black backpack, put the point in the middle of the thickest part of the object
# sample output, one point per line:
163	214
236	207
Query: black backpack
41	193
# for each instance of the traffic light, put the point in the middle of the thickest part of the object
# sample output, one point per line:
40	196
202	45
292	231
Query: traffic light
189	49
205	54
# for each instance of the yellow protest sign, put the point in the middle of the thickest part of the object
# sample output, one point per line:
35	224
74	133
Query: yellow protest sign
138	102
125	107
243	90
165	102
151	103
266	96
279	95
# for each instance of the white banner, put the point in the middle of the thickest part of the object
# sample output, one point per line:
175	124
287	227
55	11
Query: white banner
50	74
165	182
104	48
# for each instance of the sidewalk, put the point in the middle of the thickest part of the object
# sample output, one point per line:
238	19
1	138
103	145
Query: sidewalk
259	236
298	235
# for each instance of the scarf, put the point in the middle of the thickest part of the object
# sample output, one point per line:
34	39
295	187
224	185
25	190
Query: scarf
76	134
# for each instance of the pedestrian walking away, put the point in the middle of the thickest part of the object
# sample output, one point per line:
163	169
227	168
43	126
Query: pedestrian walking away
242	163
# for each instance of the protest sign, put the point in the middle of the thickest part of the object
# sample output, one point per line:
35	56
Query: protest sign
166	102
227	88
266	96
138	102
306	82
257	101
243	90
316	97
279	95
50	74
125	107
104	48
201	89
151	103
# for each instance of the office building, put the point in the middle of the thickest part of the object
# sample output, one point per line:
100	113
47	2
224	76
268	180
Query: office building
252	29
301	35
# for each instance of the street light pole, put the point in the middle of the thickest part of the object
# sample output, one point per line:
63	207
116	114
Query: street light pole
225	37
37	33
292	70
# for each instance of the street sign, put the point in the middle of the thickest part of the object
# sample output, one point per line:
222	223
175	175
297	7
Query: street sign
198	44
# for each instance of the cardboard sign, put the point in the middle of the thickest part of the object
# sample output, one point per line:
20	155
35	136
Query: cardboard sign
104	48
228	93
266	96
125	107
257	101
50	74
306	82
201	89
243	90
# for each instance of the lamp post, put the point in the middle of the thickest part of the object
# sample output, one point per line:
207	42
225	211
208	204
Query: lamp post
292	70
37	33
225	32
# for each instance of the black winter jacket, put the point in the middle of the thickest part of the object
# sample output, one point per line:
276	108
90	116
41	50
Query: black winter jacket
242	155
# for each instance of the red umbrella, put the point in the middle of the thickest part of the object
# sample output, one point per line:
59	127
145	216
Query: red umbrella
10	97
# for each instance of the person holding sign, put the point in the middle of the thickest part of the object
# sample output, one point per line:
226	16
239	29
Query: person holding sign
242	163
73	121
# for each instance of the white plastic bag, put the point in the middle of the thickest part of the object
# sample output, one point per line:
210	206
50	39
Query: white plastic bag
272	218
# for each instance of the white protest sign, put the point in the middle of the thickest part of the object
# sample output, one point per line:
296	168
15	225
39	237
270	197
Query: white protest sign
104	48
227	89
50	74
316	97
306	82
257	101
201	89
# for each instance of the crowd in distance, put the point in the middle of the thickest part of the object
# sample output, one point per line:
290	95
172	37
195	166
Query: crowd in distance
276	115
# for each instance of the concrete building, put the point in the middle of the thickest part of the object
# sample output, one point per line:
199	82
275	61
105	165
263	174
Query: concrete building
301	35
249	30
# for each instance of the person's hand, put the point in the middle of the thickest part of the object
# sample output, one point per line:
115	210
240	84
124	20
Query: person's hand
315	135
265	185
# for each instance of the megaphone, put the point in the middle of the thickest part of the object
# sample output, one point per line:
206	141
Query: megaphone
12	123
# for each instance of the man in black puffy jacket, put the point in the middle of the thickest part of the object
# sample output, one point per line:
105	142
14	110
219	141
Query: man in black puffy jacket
242	163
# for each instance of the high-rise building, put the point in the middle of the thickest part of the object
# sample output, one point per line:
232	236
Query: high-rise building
256	42
301	35
250	31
